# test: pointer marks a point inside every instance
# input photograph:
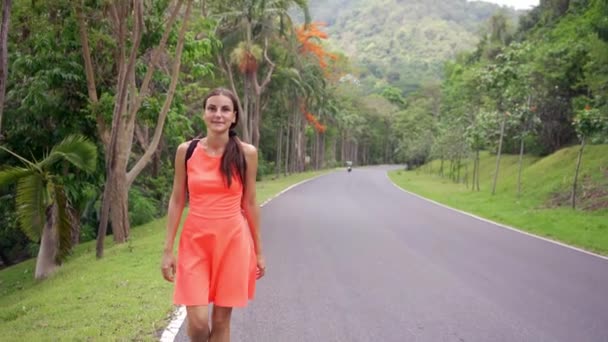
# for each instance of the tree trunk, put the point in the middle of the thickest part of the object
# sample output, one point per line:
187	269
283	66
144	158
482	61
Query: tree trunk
259	89
156	163
242	106
387	143
118	181
578	166
279	147
473	180
301	144
334	150
162	116
478	170
46	262
322	151
245	115
288	149
102	128
502	133
319	150
6	14
119	212
299	158
451	172
466	174
521	159
343	148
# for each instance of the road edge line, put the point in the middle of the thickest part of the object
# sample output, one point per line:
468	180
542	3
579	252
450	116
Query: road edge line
504	226
179	314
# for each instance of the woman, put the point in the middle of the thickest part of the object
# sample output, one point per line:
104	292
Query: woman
220	251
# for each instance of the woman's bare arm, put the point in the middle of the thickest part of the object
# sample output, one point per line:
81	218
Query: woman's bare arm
175	211
249	204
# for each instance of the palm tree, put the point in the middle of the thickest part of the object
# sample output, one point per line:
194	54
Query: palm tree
244	25
43	210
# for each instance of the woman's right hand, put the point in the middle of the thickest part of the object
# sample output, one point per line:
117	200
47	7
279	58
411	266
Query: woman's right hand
167	266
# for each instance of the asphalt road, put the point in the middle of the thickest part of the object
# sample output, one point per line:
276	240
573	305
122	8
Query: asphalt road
352	258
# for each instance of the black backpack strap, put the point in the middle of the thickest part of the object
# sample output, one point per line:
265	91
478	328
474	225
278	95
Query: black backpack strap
189	153
190	150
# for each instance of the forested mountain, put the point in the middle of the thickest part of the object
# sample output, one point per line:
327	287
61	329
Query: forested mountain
404	42
538	89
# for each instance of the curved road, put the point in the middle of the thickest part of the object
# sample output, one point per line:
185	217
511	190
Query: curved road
352	258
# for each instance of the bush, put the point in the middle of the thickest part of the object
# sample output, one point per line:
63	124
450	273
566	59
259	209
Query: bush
265	168
142	207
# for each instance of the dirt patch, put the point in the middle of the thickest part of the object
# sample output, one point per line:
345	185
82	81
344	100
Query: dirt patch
591	195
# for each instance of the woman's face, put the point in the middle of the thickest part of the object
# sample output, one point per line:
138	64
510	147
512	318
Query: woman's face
219	114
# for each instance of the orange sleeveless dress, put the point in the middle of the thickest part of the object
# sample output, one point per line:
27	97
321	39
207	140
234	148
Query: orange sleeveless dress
216	261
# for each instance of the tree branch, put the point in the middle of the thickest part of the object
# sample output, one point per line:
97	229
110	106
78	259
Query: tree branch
143	92
259	89
226	67
141	163
102	129
141	136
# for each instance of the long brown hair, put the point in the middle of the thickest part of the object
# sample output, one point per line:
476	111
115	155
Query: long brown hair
233	158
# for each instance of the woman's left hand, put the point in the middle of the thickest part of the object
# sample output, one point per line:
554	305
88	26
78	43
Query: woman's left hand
261	268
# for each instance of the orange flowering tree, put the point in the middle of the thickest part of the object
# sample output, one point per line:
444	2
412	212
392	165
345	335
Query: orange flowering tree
310	39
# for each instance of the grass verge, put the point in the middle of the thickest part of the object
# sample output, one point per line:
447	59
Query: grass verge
542	208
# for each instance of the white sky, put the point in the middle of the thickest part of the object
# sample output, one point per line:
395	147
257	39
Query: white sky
518	4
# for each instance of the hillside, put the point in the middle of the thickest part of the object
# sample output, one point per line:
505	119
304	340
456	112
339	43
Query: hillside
403	42
543	207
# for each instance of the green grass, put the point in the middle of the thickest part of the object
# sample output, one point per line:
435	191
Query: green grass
121	297
536	211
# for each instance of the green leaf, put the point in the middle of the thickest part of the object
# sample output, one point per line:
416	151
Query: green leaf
22	159
12	174
31	205
76	149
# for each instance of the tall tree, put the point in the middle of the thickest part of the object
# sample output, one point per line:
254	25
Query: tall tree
128	100
589	123
246	26
6	14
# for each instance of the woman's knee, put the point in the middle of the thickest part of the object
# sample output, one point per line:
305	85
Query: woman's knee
198	320
221	317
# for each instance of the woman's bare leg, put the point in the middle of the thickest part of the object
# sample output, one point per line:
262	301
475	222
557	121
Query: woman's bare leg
198	323
220	324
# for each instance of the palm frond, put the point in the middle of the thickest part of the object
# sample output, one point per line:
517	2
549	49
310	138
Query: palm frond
76	149
31	205
12	174
63	223
22	159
